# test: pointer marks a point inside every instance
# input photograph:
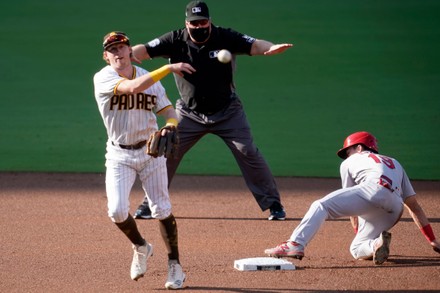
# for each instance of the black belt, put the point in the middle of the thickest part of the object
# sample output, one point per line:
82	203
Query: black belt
137	146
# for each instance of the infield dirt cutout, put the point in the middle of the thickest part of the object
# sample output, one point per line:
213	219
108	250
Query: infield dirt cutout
56	236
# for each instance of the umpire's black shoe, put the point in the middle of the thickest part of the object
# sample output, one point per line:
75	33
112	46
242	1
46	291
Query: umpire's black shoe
277	212
143	212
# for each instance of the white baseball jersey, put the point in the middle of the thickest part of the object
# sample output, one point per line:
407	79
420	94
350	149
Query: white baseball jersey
129	119
373	188
368	167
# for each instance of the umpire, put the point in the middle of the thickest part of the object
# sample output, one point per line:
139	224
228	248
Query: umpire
208	100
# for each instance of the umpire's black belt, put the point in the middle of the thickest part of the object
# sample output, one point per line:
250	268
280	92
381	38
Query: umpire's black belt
136	146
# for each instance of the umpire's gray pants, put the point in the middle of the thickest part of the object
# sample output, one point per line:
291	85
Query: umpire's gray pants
232	127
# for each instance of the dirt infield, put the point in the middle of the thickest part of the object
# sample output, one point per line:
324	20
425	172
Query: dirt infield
56	237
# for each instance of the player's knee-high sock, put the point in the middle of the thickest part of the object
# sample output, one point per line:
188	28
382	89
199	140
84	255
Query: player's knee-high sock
129	228
168	229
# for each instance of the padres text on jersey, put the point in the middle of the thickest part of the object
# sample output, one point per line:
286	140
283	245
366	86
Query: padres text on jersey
139	101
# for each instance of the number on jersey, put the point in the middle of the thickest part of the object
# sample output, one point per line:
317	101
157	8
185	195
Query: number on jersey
382	159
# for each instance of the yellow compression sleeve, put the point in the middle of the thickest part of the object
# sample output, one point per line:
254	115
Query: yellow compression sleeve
160	73
172	122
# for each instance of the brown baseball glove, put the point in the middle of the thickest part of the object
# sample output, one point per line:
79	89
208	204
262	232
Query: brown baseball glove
163	145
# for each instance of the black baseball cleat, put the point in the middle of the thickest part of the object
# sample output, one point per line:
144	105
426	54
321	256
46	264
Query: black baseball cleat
277	212
143	212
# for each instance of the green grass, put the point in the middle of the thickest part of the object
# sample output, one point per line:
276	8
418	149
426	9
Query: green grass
356	65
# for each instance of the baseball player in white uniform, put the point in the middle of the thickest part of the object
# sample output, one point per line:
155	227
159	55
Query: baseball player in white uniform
375	188
127	97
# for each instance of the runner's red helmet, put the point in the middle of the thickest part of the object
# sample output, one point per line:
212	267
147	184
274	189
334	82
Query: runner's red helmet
361	137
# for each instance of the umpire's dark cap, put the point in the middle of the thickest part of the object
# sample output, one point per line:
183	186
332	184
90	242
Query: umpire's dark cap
196	10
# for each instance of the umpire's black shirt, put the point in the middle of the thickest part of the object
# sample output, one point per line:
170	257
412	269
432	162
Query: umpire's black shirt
211	87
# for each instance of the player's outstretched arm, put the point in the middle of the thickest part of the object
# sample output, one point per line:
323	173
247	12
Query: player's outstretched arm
422	222
277	49
132	86
181	68
262	47
139	53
